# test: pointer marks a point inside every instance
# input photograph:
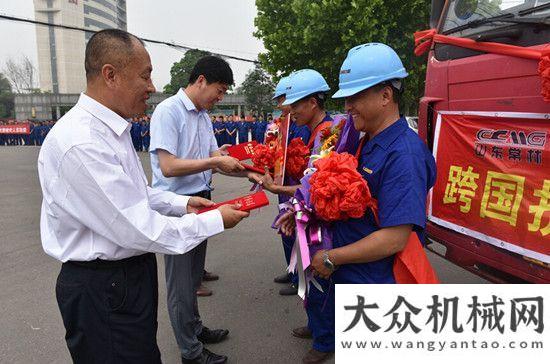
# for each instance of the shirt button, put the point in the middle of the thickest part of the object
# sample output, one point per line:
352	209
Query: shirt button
113	284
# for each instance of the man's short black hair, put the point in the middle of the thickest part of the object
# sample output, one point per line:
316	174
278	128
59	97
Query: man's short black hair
320	98
214	69
108	46
397	91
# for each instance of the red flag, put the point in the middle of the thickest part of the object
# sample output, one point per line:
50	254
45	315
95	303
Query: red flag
411	265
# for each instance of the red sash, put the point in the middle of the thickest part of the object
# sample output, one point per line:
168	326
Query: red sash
319	128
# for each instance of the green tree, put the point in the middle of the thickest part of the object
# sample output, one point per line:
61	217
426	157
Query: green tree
181	70
257	89
317	34
6	98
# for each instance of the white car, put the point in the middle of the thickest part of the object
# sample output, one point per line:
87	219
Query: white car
413	122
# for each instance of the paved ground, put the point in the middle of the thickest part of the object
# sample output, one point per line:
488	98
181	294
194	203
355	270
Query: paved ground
245	299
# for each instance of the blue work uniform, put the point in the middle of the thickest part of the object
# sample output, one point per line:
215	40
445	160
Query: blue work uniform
42	134
223	133
216	130
145	137
32	135
320	306
134	132
242	128
399	170
261	126
252	128
231	132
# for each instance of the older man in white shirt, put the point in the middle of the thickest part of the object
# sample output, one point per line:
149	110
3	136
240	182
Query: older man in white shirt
101	219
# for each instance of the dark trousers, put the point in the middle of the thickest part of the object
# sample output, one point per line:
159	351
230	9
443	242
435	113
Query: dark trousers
320	315
109	309
183	277
288	243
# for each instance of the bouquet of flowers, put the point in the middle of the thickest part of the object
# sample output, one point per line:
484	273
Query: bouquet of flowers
264	156
337	190
297	158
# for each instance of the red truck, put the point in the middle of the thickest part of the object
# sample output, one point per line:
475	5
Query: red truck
471	86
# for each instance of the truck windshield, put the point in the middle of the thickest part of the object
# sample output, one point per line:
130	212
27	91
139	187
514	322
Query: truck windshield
467	17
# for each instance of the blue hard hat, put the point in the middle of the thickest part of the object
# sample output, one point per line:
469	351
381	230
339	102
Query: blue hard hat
280	90
303	83
367	65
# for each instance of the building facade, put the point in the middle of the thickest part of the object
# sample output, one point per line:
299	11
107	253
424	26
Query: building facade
61	51
53	106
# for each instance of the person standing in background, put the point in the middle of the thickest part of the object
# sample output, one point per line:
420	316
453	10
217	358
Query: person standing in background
242	127
145	136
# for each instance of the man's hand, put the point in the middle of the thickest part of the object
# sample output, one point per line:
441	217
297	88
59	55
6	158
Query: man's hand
228	164
287	223
318	266
197	203
268	183
254	177
231	215
223	149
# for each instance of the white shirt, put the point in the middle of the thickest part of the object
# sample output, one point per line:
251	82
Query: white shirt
96	202
183	131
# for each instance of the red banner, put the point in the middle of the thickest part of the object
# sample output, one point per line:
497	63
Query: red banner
15	129
493	179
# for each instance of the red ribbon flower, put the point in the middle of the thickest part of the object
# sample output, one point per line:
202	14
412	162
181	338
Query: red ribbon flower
338	191
297	158
264	156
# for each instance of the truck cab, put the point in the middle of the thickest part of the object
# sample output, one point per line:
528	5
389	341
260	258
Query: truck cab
463	80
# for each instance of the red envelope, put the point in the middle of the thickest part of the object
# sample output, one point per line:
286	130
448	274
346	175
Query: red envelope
248	202
255	169
242	151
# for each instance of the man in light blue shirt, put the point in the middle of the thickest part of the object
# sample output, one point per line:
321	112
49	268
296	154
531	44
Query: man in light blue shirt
184	152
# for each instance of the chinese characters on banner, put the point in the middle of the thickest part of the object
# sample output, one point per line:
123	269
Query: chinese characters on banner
15	129
493	180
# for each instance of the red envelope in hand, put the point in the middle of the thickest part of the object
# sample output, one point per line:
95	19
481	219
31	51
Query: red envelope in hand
248	202
242	151
255	169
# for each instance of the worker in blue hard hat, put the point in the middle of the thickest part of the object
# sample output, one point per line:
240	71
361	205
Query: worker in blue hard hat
294	131
305	95
395	162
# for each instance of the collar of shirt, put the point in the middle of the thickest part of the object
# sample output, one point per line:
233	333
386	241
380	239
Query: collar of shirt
187	103
110	118
387	136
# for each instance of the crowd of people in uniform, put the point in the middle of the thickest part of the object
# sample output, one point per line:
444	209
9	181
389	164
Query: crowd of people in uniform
38	132
141	137
105	223
235	129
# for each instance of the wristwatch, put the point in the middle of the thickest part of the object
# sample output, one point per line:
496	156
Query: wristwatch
327	263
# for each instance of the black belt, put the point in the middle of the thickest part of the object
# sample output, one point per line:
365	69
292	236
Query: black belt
203	194
101	263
